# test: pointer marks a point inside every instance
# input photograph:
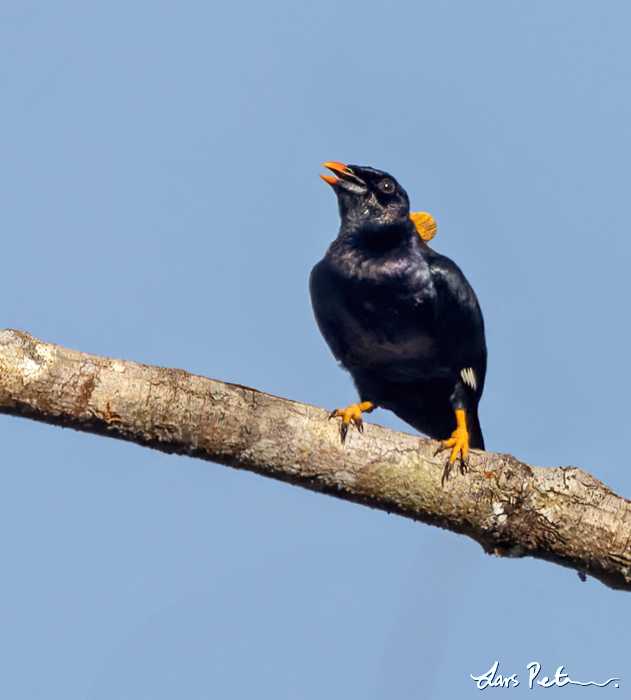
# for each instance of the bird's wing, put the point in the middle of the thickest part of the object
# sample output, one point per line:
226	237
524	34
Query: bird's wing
459	323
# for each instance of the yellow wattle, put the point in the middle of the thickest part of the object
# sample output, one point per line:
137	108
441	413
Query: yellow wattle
425	225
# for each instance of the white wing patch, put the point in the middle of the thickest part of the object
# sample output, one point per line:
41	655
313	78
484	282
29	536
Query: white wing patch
468	377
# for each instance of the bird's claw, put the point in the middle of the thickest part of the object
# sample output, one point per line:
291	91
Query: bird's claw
462	463
459	442
352	415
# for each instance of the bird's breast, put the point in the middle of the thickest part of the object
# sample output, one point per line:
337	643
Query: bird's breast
378	315
383	330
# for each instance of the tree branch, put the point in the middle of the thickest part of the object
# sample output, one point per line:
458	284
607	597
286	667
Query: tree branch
562	515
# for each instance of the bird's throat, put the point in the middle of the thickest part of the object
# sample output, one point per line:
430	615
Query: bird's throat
382	239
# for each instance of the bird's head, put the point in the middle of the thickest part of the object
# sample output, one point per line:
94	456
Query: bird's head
367	198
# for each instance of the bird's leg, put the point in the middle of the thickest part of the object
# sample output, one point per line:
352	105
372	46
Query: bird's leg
459	441
352	414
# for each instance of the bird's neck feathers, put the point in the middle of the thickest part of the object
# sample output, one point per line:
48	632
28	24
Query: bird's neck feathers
374	253
377	240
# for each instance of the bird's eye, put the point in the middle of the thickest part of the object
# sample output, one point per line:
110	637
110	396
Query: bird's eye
386	185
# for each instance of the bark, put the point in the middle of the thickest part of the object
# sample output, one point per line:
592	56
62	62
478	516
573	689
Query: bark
512	509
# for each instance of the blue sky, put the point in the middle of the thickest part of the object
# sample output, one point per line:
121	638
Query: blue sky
160	202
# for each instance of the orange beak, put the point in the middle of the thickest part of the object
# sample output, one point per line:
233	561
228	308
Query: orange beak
334	167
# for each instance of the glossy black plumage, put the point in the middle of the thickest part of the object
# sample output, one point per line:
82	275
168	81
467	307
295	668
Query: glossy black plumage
402	319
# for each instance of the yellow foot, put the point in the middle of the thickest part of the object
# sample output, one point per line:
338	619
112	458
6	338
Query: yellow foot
352	414
459	441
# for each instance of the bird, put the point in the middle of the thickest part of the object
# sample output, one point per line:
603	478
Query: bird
402	319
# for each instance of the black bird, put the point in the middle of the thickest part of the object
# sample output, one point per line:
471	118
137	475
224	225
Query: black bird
401	318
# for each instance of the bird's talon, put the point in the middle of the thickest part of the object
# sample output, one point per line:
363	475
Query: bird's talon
441	448
352	414
459	441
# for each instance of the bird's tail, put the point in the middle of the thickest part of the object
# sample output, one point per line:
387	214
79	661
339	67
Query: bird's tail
476	441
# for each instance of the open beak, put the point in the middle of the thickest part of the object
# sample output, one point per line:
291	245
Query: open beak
334	167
